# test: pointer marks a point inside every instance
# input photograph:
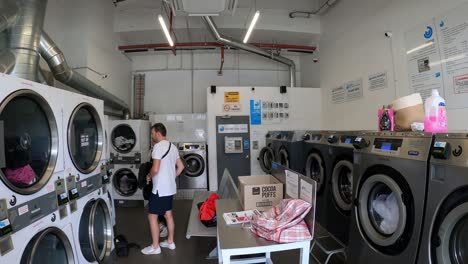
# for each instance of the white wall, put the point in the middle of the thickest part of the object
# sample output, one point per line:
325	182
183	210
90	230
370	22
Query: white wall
84	32
171	80
353	45
310	70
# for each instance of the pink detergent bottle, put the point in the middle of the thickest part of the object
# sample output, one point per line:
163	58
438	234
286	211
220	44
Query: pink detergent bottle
436	115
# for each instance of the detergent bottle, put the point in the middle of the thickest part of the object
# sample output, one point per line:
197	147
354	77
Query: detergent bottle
435	120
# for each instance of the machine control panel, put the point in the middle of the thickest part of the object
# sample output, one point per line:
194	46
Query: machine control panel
442	149
5	225
233	145
71	188
347	140
62	197
332	139
360	143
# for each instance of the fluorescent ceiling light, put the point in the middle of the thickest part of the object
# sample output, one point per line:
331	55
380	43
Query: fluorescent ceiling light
251	27
166	31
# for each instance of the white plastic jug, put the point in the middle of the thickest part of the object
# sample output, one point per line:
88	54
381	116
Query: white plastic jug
435	114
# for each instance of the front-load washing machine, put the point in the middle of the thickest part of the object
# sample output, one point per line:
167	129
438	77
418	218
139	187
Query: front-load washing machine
32	160
340	196
391	172
445	233
83	117
92	228
195	174
267	154
317	166
125	186
130	141
46	240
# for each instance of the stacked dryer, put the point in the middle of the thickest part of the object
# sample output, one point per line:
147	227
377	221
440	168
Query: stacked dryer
35	222
129	147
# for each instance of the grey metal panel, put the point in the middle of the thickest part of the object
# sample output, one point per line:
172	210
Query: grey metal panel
89	185
37	209
237	164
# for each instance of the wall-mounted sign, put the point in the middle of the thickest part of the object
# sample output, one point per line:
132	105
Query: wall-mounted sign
232	97
232	107
233	128
378	81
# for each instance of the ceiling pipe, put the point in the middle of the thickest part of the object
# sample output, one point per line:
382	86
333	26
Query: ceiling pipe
195	45
320	11
62	72
251	48
7	61
8	14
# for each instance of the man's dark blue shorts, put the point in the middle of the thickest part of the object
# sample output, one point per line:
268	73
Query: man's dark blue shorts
159	205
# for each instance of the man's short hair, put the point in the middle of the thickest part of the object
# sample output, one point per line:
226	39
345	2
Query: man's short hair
159	127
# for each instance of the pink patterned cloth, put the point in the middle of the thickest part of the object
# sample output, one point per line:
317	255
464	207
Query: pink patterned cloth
283	223
23	175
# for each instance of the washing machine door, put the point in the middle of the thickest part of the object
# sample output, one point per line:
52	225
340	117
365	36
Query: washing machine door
50	246
385	212
283	157
31	141
342	185
194	165
315	169
266	157
85	138
123	138
95	231
449	241
125	182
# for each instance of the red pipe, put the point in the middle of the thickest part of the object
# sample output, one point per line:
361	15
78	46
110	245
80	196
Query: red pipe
214	45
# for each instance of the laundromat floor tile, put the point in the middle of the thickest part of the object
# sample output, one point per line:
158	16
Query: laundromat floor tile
133	224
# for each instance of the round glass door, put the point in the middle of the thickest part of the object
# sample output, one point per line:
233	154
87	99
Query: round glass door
342	185
125	182
31	141
283	157
85	138
95	231
50	246
315	170
123	138
382	212
194	165
266	157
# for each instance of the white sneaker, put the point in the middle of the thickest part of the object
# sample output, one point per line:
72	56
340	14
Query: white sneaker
164	244
163	231
150	250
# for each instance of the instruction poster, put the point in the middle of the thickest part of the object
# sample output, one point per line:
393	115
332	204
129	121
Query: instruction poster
255	112
378	81
292	184
423	58
437	55
349	91
275	112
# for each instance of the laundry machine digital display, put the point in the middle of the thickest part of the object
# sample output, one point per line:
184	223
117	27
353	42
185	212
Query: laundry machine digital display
85	138
30	141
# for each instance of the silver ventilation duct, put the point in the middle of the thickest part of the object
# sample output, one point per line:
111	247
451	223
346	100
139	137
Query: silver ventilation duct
62	72
8	13
24	38
7	61
250	48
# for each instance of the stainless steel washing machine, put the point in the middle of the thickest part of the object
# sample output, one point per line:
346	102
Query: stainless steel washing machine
267	154
390	171
316	166
195	175
285	147
340	191
445	232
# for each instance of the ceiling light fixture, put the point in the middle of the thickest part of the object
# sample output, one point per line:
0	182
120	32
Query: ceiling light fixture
166	31
251	27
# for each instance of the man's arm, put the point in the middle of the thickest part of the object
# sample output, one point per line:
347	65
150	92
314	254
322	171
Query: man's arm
154	169
180	166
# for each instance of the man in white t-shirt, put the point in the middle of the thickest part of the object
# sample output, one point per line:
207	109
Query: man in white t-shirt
167	165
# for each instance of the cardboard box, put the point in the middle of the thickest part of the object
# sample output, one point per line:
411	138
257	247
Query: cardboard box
259	192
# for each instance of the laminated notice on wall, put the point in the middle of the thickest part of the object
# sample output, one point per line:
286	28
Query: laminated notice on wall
348	92
292	184
232	97
378	81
